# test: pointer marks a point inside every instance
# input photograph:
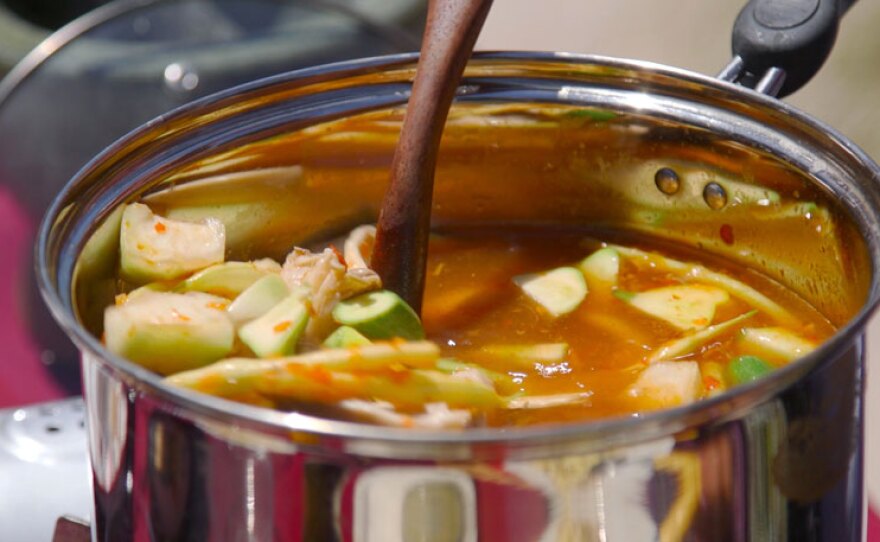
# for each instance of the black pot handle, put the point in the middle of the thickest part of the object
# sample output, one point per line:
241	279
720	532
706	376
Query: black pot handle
779	45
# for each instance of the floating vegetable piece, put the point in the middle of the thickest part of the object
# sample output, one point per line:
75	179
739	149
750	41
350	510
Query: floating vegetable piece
152	287
689	343
169	332
746	369
669	383
435	416
155	248
358	247
687	306
257	299
502	382
231	278
344	337
698	273
432	386
528	354
276	332
380	315
548	401
601	267
560	290
775	344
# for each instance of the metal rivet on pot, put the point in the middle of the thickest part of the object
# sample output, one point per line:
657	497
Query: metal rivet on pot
715	196
667	181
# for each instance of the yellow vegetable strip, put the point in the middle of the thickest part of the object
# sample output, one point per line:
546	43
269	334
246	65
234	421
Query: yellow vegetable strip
321	377
548	401
699	273
687	344
239	373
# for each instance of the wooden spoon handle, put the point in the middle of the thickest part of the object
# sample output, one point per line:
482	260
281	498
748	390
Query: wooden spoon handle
401	249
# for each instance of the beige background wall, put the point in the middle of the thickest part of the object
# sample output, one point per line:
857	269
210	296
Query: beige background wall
695	34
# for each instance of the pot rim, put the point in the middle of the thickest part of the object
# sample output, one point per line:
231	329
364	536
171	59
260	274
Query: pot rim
633	428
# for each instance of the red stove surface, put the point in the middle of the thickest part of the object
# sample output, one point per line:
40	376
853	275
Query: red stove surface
23	377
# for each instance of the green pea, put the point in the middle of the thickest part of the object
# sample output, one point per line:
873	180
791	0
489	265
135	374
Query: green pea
747	369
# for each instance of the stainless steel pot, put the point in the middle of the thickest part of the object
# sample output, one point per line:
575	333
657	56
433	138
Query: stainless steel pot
780	459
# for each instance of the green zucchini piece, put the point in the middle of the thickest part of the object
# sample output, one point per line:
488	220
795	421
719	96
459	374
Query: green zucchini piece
686	306
231	278
775	344
257	299
601	267
276	332
747	369
155	248
169	332
344	337
560	290
380	315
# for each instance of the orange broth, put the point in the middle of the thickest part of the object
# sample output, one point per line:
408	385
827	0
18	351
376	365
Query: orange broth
471	301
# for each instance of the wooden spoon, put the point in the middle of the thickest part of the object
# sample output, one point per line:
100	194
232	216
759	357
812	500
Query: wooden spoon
401	249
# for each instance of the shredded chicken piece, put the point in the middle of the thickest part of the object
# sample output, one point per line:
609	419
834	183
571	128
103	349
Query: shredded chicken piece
436	415
328	281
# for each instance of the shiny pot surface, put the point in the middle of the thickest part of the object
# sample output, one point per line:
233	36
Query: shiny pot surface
300	157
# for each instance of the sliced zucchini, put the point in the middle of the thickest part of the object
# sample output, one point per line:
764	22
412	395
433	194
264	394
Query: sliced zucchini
601	267
669	383
686	306
380	315
502	382
152	287
560	290
344	337
168	332
231	278
747	369
155	248
276	332
257	299
774	344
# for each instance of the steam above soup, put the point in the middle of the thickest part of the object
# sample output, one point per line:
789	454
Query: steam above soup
520	326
